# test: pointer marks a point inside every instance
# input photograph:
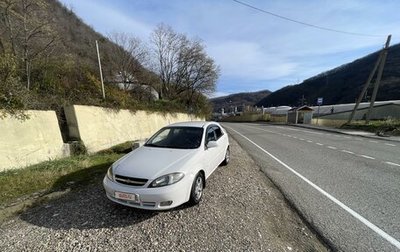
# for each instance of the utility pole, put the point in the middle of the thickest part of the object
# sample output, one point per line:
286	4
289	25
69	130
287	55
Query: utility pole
379	63
378	79
101	73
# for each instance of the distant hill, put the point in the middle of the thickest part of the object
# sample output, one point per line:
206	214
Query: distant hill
239	99
342	84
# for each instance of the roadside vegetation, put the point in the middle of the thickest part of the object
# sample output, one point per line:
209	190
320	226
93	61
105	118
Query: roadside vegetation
48	59
390	127
56	175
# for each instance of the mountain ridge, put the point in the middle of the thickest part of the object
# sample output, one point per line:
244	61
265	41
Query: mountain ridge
342	84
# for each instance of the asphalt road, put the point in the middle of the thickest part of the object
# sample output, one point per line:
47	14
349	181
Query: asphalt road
346	187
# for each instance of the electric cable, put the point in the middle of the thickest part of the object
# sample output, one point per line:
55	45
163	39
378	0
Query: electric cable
304	23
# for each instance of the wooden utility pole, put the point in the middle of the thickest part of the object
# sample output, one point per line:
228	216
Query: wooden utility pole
101	73
378	78
379	63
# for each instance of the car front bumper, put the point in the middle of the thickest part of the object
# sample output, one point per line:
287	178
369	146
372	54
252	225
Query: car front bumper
150	198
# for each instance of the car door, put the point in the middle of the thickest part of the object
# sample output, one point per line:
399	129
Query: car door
210	154
222	143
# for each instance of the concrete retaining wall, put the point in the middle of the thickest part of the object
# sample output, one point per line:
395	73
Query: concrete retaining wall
328	122
99	128
38	138
30	141
247	118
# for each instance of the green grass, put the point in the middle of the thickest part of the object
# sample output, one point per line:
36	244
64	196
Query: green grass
58	174
390	126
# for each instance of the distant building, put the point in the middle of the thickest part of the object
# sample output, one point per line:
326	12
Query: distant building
128	82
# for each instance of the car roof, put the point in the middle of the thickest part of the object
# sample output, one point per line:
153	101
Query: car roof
197	124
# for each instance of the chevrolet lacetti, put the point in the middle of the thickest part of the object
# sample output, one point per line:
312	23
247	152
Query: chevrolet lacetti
171	168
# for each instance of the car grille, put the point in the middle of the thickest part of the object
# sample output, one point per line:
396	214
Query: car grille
130	181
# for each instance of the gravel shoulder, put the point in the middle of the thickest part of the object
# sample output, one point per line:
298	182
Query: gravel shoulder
241	211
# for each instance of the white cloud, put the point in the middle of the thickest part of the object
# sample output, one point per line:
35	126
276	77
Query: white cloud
249	60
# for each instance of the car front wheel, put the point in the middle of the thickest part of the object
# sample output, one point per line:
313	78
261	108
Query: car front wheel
197	189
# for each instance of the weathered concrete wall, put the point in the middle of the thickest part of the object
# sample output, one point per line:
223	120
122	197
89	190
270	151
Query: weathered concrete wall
328	122
101	128
30	141
247	118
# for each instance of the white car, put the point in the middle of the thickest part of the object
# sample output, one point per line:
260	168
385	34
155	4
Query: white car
171	168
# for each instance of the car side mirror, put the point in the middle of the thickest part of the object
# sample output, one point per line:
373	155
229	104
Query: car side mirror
212	144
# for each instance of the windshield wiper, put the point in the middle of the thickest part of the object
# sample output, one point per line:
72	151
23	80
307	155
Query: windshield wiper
157	146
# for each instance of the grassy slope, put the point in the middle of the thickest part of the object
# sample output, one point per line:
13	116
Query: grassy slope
57	175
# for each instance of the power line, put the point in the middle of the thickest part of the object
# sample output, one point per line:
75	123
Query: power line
306	24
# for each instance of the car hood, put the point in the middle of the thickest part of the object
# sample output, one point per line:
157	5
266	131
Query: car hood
150	162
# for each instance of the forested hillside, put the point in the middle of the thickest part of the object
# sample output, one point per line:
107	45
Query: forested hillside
239	99
48	59
342	84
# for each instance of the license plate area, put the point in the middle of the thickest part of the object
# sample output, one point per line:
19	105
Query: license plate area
127	196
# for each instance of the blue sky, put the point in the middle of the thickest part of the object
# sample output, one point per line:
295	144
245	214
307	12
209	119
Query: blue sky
256	51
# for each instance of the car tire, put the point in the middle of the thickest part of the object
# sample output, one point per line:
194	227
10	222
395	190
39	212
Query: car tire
196	192
227	157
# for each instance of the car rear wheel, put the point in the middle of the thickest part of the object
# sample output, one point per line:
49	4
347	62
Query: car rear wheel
197	189
227	157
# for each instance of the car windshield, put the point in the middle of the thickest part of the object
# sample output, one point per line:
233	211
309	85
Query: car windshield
177	138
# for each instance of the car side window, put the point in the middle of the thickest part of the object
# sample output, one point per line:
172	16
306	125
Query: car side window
211	135
218	132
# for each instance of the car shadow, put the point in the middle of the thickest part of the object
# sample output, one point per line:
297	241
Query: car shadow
84	205
86	208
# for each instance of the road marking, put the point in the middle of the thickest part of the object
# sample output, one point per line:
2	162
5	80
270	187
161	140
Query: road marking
295	137
347	137
365	156
309	141
388	144
320	144
356	215
302	139
373	141
390	163
346	151
331	147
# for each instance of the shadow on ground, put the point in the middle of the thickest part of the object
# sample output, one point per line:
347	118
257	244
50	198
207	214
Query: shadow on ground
85	206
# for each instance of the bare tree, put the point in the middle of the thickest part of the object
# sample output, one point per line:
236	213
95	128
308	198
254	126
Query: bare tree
196	71
166	45
28	30
182	64
130	54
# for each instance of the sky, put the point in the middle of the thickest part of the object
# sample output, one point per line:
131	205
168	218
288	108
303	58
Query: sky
256	51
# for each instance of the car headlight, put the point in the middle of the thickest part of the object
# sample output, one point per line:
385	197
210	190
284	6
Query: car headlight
168	179
110	174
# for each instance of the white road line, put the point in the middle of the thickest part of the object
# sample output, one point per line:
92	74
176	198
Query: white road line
295	137
302	139
390	163
366	222
331	147
309	141
365	156
388	144
347	137
373	141
346	151
320	144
